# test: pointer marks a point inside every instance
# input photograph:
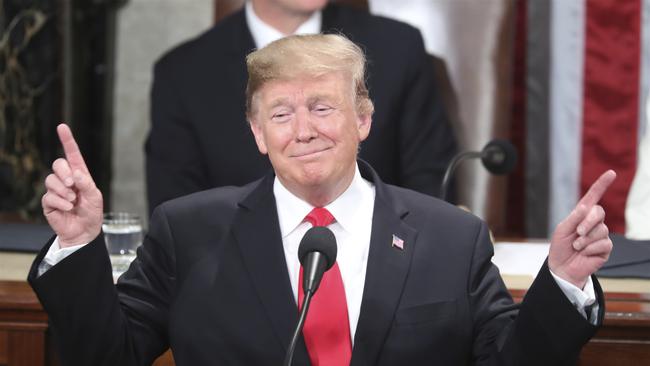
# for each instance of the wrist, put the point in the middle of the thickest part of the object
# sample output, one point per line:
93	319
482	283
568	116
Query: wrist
75	241
66	243
577	282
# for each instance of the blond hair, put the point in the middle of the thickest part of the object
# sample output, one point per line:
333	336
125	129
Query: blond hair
308	55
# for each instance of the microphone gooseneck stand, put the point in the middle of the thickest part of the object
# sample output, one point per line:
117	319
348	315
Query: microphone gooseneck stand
317	254
451	168
498	156
288	358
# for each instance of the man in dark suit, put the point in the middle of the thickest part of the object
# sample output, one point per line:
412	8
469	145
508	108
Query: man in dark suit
217	276
199	138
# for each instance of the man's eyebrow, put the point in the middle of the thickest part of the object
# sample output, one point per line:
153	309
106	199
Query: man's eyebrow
278	102
322	96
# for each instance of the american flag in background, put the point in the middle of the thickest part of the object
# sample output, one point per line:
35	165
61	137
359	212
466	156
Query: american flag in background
565	80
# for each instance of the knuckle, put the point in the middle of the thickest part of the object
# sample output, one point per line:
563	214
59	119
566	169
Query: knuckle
58	164
50	181
46	200
593	212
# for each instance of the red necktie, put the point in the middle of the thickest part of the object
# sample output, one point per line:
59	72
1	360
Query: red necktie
327	328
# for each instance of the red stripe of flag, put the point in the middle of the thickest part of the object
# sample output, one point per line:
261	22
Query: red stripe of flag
516	197
611	100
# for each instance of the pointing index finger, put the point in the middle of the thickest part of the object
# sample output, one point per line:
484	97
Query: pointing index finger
598	189
71	149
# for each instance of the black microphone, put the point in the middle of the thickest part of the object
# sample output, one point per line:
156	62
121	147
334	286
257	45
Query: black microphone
498	157
317	254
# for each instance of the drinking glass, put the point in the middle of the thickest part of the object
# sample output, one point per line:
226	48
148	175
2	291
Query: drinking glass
123	235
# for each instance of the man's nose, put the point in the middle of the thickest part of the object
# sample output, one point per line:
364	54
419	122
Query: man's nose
304	126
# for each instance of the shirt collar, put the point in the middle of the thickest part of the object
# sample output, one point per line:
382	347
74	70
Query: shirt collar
292	210
264	34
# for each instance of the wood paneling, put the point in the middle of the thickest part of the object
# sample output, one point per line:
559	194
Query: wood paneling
26	348
623	340
23	326
601	352
4	347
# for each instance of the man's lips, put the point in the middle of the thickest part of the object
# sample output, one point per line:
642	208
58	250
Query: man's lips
308	154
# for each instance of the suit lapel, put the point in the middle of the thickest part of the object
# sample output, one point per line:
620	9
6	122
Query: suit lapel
257	231
386	274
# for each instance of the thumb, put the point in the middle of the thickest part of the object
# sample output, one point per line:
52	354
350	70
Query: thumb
570	224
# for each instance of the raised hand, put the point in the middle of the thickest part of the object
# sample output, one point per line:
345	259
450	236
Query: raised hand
580	244
73	206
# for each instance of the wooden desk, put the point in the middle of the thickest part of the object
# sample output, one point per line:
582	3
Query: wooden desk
623	340
24	339
23	327
625	337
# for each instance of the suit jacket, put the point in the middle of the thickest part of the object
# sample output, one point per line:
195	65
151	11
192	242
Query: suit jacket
211	281
200	139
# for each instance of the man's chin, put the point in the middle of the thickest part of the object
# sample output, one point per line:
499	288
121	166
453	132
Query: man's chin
313	175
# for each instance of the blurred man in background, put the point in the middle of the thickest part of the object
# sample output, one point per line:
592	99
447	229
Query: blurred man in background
199	137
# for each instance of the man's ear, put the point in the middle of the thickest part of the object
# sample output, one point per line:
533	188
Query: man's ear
259	136
363	126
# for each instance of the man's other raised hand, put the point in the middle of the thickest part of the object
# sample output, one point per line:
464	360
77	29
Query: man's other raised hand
72	205
580	244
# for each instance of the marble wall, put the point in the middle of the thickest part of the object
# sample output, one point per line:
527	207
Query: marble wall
145	29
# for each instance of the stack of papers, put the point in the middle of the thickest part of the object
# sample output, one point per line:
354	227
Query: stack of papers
517	259
629	258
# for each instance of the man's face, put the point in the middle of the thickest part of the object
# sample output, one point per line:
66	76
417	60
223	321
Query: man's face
311	131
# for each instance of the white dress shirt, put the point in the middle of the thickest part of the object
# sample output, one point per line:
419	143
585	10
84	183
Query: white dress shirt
352	213
264	34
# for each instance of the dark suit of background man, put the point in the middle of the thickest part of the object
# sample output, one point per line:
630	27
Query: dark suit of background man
217	276
199	138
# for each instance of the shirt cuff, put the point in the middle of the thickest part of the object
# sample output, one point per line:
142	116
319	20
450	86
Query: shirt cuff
56	254
583	300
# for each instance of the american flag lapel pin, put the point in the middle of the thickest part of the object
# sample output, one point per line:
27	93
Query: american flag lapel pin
397	242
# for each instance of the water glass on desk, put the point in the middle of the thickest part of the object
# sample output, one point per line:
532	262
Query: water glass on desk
123	235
